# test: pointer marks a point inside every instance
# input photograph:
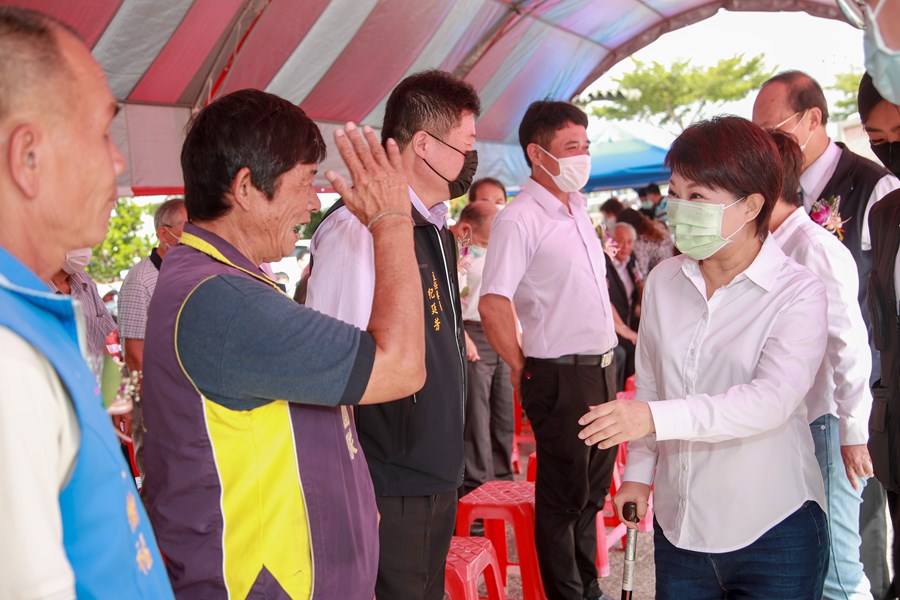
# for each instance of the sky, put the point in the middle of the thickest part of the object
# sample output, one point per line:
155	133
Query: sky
787	40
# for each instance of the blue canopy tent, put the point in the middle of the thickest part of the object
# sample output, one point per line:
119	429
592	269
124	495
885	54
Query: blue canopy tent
626	162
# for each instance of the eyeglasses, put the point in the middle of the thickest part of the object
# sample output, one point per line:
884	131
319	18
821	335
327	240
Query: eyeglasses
802	114
854	11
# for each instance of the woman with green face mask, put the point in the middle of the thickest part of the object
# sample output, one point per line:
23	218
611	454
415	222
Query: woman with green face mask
732	335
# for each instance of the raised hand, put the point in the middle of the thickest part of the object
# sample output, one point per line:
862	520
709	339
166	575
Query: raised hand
379	185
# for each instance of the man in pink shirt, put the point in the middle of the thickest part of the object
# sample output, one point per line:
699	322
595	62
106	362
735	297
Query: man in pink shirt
546	258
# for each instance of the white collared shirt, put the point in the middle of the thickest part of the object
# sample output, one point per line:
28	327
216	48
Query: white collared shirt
470	283
342	284
814	179
726	378
842	382
39	441
548	260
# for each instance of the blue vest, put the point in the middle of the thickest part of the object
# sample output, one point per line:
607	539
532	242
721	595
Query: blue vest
106	533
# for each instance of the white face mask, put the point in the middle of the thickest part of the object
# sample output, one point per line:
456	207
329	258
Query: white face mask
574	171
77	260
794	128
882	63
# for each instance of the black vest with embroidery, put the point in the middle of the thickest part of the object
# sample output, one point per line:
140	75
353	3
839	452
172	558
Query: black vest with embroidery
884	422
414	446
854	179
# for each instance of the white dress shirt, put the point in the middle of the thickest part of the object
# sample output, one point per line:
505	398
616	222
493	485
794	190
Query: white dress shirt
842	383
342	282
39	441
726	379
816	176
897	280
548	260
134	299
470	283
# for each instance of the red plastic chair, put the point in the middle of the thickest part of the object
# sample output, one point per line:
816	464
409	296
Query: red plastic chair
131	462
522	432
499	502
468	558
515	460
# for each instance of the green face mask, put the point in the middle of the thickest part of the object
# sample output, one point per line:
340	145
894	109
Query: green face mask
698	227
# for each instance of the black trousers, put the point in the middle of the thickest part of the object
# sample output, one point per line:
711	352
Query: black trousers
488	433
873	531
627	366
572	478
414	534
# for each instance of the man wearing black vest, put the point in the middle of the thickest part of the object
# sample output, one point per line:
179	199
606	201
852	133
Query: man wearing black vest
881	120
414	446
793	102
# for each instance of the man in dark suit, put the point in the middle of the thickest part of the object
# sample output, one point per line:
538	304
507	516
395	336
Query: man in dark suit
794	103
625	284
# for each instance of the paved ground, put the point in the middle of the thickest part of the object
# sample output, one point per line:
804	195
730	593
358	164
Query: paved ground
645	578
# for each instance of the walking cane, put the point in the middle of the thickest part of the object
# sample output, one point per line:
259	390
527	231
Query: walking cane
629	513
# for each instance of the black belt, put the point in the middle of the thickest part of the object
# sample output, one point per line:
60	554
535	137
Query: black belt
590	360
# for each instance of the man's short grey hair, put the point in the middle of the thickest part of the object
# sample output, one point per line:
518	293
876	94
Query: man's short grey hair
477	213
627	226
167	212
31	62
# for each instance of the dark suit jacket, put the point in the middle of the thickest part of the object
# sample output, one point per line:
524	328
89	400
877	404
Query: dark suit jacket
884	422
625	306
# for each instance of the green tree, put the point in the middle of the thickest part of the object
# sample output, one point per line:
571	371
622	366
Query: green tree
846	84
125	244
674	96
310	228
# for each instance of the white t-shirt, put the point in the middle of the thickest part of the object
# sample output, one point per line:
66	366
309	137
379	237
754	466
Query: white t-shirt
39	439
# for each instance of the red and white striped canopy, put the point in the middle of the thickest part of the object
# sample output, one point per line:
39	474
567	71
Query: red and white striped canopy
339	59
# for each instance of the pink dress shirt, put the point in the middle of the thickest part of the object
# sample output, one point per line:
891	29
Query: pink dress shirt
548	260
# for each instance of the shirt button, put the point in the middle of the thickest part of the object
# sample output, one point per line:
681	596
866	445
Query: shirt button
705	314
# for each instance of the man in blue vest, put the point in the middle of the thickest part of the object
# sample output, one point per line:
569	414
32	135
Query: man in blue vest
71	521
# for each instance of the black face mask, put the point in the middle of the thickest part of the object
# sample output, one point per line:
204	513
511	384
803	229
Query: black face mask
889	155
463	181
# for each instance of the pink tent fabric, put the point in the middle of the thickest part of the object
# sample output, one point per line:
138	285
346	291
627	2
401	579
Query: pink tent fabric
340	59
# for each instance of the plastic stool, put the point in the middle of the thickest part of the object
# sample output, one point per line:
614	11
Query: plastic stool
498	502
468	558
516	463
531	469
